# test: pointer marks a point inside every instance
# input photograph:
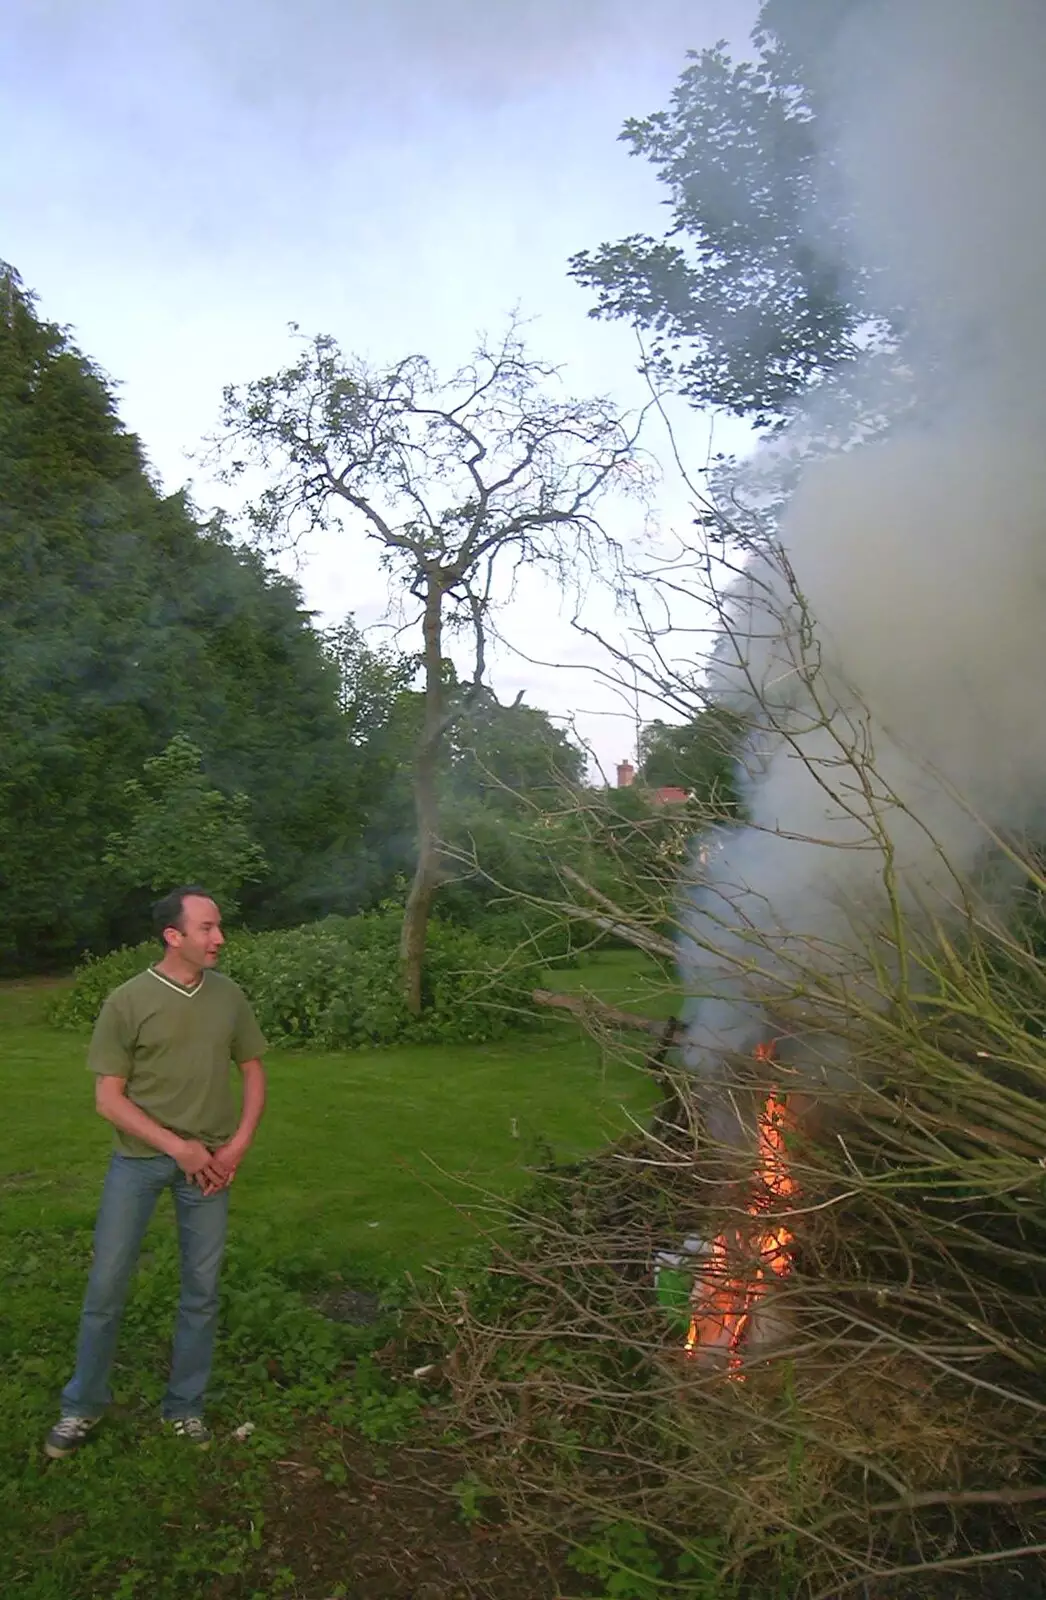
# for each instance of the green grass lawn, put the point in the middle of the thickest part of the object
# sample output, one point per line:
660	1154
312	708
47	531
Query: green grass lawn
365	1159
623	979
368	1164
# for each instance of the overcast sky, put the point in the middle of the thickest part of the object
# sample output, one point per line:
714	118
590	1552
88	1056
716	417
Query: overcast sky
180	179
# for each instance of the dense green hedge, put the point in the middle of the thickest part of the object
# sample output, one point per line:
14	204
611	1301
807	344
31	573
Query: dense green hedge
535	936
335	984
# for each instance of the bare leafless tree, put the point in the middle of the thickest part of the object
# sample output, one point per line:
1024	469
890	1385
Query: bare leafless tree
460	481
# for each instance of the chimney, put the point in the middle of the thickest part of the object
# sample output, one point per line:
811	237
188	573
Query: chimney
626	774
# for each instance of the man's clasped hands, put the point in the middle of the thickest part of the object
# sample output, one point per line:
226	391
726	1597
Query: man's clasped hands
212	1170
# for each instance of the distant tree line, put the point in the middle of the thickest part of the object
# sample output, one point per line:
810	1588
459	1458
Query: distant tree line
130	634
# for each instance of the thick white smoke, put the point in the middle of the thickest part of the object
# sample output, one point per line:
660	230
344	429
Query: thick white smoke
921	557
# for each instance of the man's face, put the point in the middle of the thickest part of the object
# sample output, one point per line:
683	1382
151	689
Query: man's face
200	937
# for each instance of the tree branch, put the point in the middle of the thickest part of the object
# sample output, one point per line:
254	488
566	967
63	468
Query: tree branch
585	1006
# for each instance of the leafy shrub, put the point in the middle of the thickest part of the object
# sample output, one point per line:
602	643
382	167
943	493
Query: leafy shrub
335	984
540	939
94	978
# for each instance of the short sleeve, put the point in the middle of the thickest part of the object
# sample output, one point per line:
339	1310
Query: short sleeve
111	1051
248	1041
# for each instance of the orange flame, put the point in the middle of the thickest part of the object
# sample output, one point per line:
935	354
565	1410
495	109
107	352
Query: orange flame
725	1299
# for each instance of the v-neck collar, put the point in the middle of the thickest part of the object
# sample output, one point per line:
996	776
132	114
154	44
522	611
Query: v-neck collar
179	988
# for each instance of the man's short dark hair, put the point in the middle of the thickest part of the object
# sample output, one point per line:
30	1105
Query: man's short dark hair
170	911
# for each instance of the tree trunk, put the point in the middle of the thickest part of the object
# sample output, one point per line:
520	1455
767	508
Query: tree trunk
426	804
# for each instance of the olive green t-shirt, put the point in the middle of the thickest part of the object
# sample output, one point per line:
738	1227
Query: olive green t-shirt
176	1047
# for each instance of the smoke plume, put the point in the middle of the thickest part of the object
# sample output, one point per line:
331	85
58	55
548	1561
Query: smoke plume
892	660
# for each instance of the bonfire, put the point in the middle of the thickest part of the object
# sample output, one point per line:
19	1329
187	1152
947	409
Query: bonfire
745	1261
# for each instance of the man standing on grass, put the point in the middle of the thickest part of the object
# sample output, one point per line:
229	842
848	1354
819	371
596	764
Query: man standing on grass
162	1054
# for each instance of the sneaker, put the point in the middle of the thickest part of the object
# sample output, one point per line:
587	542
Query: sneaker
67	1435
193	1429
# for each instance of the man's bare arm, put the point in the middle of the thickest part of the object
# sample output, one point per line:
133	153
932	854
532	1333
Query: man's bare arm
253	1101
111	1102
230	1155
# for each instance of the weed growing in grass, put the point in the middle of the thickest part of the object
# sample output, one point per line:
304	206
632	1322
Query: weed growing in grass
350	1186
470	1492
630	1566
624	1560
135	1514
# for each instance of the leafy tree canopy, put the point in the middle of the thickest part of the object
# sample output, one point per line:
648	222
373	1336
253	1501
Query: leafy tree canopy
122	623
749	296
698	756
184	830
508	752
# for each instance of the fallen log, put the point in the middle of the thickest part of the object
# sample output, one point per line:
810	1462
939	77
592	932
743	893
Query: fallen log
586	1006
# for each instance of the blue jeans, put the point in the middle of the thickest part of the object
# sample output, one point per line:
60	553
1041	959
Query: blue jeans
133	1185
